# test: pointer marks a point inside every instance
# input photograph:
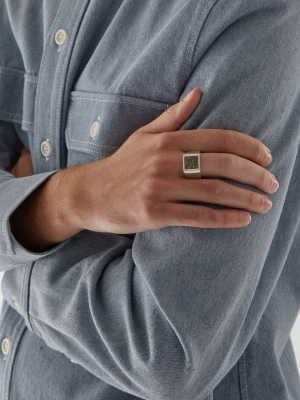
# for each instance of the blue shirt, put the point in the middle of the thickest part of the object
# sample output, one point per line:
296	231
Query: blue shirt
178	313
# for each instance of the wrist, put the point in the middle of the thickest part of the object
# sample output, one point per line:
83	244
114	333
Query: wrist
83	197
69	183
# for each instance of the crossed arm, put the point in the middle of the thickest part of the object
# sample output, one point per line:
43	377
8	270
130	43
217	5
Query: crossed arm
182	314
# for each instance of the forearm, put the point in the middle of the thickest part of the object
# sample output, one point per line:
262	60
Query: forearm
44	218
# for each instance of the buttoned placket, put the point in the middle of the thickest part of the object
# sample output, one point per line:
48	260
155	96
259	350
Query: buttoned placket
11	331
49	121
52	93
6	346
50	113
61	38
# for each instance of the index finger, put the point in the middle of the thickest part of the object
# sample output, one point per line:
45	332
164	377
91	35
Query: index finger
222	141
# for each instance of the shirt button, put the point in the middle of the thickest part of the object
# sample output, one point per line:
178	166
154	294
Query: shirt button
46	149
74	361
61	37
17	307
94	132
6	346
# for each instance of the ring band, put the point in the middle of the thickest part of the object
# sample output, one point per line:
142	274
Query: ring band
191	164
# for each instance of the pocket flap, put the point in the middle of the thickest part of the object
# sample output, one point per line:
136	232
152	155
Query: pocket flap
17	100
101	123
11	99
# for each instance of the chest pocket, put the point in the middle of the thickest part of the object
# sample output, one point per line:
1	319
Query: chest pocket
98	124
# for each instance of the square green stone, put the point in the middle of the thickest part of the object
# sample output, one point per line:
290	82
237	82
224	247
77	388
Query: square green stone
191	162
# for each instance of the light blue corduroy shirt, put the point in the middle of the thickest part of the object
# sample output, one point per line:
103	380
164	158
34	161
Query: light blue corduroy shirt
178	313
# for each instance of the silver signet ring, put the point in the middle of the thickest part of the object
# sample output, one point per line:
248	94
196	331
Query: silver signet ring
191	164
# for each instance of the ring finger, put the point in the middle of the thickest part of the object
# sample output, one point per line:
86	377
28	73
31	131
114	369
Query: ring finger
231	166
218	165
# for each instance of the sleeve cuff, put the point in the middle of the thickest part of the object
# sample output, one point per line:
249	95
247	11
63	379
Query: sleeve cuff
13	193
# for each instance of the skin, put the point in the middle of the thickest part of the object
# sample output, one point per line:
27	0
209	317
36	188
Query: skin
24	165
149	193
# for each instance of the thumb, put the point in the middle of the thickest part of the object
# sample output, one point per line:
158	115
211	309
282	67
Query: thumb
175	116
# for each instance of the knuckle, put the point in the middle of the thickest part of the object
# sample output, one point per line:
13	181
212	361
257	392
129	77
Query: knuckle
258	151
150	213
209	217
157	165
228	162
214	188
225	219
212	218
226	138
263	177
147	210
163	141
253	199
171	114
150	187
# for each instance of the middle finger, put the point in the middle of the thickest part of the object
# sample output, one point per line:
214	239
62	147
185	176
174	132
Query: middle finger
222	165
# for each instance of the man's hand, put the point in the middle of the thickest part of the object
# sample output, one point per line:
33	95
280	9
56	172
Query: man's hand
24	166
142	185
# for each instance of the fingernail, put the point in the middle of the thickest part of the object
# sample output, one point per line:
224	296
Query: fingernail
245	219
269	156
188	96
275	185
267	204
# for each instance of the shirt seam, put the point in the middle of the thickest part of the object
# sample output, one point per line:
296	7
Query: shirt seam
92	144
119	101
13	263
244	358
11	359
27	80
189	55
6	119
4	217
7	112
26	293
63	72
91	151
8	73
43	68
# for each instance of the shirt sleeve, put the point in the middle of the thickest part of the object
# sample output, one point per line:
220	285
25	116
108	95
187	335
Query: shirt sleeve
167	315
13	191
